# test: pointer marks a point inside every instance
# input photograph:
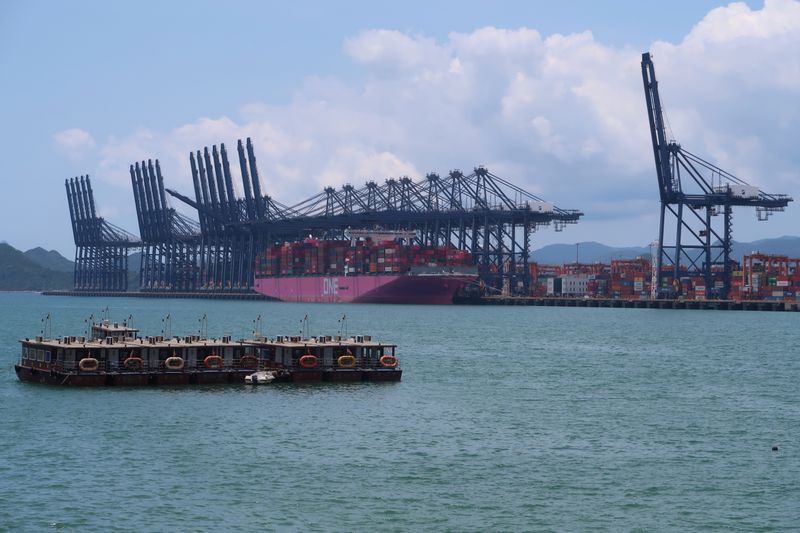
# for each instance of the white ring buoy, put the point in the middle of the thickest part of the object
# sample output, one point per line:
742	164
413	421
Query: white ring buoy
174	363
88	364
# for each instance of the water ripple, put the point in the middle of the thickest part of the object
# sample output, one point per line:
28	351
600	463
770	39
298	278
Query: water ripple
508	419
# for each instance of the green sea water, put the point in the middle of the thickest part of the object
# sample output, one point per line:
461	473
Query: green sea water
507	419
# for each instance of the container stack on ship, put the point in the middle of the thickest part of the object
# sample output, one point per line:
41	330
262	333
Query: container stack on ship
364	271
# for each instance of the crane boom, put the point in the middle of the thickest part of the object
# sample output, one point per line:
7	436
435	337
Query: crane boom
657	132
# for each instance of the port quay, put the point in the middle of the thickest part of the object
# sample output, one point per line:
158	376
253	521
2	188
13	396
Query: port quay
541	301
716	305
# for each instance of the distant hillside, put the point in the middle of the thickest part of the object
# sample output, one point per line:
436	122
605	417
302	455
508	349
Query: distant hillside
135	263
133	280
20	273
586	252
52	259
780	246
55	261
39	269
592	252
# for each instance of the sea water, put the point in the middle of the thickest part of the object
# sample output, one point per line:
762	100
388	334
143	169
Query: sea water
507	419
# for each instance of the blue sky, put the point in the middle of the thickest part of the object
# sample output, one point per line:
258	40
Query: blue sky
89	87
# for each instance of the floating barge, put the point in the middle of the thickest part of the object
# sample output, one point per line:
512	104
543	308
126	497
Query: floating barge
115	355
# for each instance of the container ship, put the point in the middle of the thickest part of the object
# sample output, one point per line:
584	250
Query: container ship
368	268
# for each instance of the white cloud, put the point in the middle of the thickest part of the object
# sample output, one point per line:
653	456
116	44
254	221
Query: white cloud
778	19
390	49
75	142
561	115
355	163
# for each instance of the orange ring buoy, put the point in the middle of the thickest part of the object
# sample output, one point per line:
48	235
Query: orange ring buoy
248	361
388	361
88	364
308	361
133	363
347	360
213	361
174	363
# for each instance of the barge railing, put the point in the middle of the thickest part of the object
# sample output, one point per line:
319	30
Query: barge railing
263	364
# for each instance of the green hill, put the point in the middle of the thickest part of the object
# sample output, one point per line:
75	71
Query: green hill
20	273
51	260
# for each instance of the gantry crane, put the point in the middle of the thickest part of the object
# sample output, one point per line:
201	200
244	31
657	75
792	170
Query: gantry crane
169	239
698	247
101	248
479	212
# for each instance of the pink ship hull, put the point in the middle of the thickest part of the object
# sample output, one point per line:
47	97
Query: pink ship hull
382	288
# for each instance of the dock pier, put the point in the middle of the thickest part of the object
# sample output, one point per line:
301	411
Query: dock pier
717	305
164	294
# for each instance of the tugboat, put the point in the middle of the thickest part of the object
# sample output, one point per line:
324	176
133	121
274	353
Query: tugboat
115	355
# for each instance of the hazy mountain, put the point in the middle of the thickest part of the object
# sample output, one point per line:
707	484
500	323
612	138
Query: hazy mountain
586	252
133	280
592	252
55	261
20	273
52	259
789	246
135	262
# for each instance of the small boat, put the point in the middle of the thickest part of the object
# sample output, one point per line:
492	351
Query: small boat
262	377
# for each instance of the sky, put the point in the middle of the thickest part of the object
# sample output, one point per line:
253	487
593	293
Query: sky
546	95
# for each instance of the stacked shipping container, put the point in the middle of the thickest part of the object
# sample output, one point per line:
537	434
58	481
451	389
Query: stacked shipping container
767	277
318	257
